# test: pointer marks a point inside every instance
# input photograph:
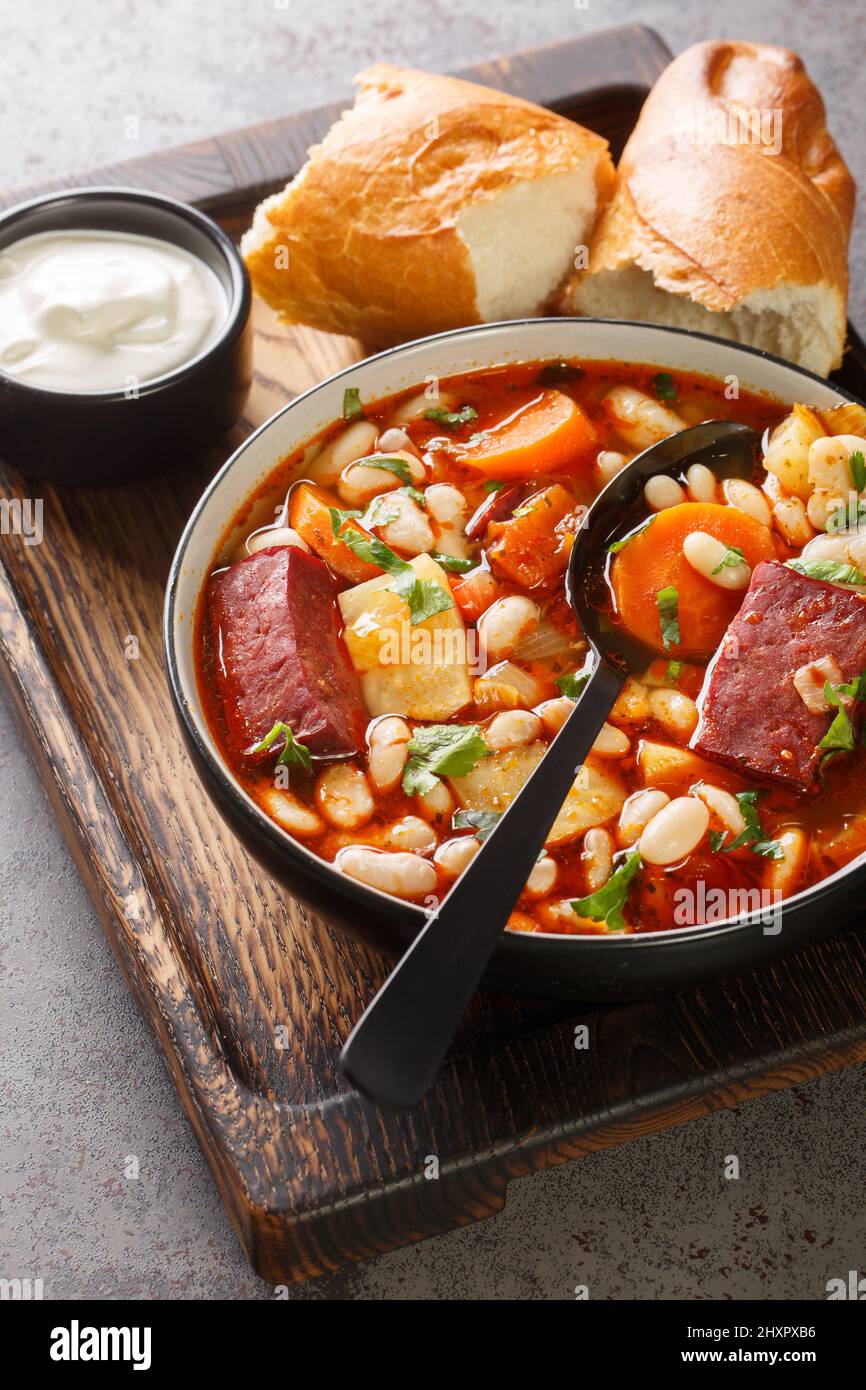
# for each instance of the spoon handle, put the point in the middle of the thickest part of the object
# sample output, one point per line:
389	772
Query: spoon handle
397	1046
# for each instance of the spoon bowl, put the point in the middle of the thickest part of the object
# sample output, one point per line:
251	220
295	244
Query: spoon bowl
728	449
397	1047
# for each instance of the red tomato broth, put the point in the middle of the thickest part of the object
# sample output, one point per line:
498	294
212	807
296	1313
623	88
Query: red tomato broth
493	394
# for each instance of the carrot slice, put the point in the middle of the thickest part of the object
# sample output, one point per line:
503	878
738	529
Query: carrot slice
474	594
541	435
309	515
653	560
533	546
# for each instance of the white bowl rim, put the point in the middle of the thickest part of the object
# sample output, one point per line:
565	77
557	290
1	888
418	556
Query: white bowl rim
196	726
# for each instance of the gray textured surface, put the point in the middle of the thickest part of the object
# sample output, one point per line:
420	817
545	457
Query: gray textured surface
82	1084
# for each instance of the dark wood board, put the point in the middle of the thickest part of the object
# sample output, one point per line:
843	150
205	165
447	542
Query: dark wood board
249	996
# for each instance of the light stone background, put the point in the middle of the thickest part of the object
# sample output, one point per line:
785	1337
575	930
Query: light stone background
81	1081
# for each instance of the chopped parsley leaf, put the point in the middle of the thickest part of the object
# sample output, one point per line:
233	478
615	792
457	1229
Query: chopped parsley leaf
454	563
607	903
732	557
857	470
668	603
553	372
663	384
441	750
616	546
573	684
452	419
423	597
399	467
482	822
831	571
294	754
339	518
752	835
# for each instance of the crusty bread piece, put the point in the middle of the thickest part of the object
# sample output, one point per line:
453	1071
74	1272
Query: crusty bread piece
430	204
723	237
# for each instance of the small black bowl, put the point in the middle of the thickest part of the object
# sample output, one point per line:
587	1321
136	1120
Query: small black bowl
110	436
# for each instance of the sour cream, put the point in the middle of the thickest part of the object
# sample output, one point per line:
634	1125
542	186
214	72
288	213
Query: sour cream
103	311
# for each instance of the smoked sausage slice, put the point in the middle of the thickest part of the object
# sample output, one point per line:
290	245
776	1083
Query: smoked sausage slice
753	717
279	656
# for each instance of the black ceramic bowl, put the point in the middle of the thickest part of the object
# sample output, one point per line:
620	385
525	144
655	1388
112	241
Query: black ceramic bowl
105	436
577	967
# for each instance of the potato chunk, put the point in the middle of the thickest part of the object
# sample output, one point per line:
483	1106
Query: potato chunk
596	796
666	765
788	454
421	671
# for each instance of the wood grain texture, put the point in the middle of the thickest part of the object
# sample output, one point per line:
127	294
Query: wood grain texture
249	996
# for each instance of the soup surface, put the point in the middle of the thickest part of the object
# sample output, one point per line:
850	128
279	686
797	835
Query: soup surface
385	648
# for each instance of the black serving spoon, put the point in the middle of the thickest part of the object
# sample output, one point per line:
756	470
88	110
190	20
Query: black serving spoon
397	1047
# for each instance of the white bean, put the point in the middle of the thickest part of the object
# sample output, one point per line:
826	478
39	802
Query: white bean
747	498
835	547
561	914
512	729
638	418
291	813
275	535
821	506
790	517
609	463
410	833
638	810
396	439
701	483
387	739
409	530
723	806
453	856
435	804
417	406
661	492
447	506
553	713
611	742
502	625
403	875
706	555
677	713
445	503
597	858
543	877
451	540
674	831
784	875
344	797
363	480
354	442
857	552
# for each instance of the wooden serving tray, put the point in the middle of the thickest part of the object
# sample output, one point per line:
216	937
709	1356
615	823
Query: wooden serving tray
249	996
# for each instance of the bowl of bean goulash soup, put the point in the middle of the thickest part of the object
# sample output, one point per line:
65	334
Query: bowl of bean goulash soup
370	649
